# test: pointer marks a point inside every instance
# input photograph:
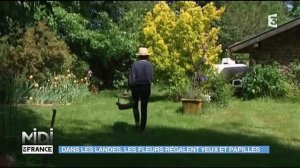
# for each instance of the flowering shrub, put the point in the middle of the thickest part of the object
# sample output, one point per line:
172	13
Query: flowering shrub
195	88
193	92
208	85
59	89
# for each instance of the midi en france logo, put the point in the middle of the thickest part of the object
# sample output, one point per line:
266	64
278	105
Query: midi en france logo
37	142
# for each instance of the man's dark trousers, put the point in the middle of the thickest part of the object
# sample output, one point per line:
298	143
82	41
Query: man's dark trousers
140	92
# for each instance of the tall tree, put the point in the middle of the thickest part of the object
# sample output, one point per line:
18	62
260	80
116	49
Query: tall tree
180	39
18	14
242	19
295	8
105	39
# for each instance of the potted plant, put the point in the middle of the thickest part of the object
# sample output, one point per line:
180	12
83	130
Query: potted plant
194	96
192	101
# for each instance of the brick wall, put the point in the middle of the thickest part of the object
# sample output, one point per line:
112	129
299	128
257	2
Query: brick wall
283	48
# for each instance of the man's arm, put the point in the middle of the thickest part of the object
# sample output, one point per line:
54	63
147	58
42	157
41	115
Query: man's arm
131	78
151	72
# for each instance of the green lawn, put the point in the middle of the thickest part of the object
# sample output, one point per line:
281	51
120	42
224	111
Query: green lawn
97	121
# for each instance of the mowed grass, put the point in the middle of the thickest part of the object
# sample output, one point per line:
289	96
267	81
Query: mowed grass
97	121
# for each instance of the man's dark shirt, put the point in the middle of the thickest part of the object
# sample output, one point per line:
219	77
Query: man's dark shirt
141	73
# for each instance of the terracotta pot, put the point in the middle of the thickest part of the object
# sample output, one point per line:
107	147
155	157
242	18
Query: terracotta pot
192	105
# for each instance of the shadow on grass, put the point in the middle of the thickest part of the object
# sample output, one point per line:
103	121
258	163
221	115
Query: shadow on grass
159	97
122	133
22	119
179	110
154	97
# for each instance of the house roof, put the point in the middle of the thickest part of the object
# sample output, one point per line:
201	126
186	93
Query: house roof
239	46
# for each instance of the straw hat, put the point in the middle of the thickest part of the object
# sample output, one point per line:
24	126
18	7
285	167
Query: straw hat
143	52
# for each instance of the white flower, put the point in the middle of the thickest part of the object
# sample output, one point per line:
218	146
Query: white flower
206	97
30	98
36	85
90	73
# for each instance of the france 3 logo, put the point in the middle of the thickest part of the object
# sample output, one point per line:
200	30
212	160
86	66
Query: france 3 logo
37	142
272	20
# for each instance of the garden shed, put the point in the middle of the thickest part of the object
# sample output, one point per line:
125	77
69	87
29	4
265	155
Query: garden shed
281	44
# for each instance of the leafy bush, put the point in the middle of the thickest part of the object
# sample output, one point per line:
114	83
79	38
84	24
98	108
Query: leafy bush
295	72
41	51
4	52
121	79
219	89
291	74
14	87
59	89
80	68
265	81
105	44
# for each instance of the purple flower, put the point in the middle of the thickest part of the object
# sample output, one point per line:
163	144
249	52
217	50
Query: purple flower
199	78
203	78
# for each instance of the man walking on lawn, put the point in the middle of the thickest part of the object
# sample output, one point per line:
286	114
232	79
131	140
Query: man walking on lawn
140	78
